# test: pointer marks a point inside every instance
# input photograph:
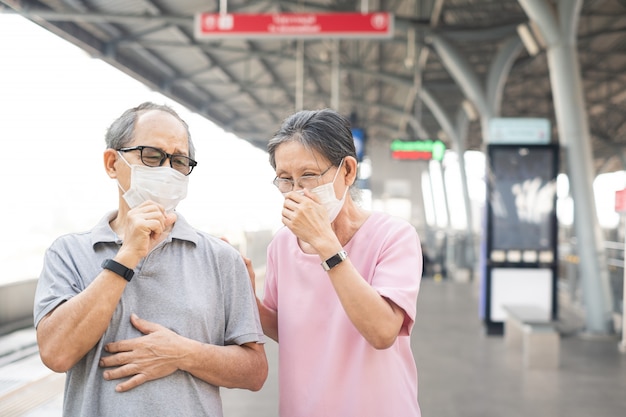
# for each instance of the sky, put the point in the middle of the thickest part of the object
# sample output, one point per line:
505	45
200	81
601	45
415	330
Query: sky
55	105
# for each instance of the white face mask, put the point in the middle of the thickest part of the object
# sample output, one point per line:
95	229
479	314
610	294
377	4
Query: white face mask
163	185
326	194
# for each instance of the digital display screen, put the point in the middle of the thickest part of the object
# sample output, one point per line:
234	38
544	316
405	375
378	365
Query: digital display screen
522	197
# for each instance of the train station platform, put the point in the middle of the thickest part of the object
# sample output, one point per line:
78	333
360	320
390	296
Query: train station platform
462	371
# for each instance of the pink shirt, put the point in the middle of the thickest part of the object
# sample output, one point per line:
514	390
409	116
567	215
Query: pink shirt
326	368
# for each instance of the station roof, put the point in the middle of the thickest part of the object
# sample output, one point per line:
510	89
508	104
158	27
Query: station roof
249	85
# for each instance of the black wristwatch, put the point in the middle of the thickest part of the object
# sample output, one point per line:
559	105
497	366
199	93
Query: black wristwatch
119	269
334	260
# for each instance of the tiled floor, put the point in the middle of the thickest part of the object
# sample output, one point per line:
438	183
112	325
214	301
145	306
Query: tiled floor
465	373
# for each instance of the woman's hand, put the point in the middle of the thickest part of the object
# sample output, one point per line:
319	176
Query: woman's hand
305	216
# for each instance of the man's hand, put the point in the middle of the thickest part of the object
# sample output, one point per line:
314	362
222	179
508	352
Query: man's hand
144	358
146	225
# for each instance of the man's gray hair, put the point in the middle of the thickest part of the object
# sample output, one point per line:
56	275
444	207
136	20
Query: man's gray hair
121	131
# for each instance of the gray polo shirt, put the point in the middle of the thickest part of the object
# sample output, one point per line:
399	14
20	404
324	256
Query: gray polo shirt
193	283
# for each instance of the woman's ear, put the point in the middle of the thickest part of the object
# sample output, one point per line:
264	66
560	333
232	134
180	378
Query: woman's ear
351	169
110	158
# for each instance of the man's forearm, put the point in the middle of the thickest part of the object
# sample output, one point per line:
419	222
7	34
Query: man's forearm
74	327
232	366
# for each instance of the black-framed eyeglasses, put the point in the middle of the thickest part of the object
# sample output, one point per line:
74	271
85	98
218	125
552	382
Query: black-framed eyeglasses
155	157
285	185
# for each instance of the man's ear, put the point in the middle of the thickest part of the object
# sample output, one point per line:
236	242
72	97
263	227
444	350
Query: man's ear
110	158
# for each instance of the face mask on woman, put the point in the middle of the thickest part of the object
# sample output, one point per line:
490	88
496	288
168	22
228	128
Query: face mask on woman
326	194
163	185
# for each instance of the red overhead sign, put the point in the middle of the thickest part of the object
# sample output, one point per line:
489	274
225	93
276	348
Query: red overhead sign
294	25
620	201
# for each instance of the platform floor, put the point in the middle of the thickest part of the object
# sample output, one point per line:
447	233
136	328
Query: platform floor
462	371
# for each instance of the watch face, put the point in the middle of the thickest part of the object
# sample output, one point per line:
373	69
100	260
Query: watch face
334	260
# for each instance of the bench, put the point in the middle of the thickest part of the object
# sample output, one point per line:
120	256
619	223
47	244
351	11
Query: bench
531	328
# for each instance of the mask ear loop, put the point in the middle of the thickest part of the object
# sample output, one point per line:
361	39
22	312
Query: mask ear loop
337	173
338	169
347	187
124	159
131	168
339	201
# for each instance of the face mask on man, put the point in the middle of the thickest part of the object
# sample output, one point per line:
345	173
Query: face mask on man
163	185
326	194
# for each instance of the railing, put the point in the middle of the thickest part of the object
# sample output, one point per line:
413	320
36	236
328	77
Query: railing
16	305
615	263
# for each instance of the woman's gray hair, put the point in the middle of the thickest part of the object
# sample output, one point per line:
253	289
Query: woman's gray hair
325	131
121	131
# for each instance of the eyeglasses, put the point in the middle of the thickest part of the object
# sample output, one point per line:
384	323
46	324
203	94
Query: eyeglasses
155	157
285	185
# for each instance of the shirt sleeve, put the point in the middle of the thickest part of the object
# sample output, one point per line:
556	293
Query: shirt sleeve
398	271
242	316
58	282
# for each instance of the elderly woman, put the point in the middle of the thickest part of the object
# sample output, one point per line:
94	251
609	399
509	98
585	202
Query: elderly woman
341	284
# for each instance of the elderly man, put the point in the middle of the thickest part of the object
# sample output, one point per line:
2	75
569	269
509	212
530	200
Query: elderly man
148	316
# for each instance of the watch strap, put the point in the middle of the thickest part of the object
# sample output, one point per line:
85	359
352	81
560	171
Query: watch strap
334	260
119	269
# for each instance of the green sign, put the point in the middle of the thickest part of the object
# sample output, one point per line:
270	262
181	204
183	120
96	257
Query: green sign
418	149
